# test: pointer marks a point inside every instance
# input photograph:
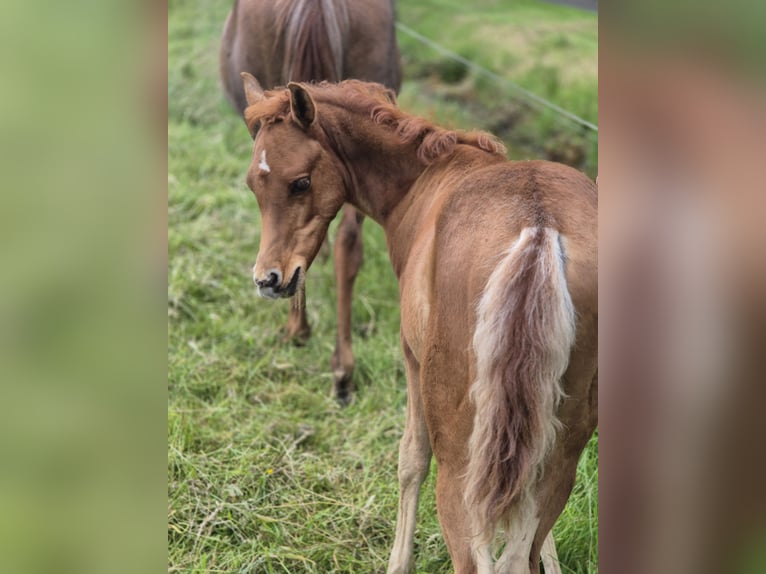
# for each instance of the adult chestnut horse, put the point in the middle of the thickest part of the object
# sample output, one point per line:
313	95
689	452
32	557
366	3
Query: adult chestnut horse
496	262
279	41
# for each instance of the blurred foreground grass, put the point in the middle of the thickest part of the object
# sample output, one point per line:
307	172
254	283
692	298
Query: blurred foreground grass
82	338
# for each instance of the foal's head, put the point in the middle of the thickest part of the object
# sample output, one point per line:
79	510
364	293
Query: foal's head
297	182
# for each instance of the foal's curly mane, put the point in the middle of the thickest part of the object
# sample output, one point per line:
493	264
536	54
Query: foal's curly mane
377	103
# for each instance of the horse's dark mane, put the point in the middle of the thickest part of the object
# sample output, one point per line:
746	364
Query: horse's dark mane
377	103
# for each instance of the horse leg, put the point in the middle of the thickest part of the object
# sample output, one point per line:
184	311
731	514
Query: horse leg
466	558
348	259
414	462
555	493
578	414
520	537
445	381
298	328
549	555
515	557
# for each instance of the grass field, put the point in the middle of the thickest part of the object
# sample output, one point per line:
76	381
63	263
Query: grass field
266	473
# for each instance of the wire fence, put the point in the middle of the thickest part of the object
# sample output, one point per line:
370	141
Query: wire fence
530	97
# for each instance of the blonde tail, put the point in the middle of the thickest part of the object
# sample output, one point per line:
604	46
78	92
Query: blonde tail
524	332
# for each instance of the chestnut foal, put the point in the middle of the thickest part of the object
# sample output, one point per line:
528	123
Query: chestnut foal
497	268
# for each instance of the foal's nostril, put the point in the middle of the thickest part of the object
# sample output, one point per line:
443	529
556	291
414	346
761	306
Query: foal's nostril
273	279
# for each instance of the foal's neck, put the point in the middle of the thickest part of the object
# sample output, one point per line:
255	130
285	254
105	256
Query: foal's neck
381	171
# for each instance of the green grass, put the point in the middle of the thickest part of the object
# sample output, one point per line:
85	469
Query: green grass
547	49
265	472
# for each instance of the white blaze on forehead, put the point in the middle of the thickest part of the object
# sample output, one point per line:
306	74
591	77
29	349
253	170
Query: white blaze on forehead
263	166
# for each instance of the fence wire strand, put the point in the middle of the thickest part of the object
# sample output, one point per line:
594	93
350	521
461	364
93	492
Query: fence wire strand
531	97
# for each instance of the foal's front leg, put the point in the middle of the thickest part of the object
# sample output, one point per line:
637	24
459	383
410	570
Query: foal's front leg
348	259
298	328
414	462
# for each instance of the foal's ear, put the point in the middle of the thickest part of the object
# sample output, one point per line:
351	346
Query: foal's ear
253	90
301	105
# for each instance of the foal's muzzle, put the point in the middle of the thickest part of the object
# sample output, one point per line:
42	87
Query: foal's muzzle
270	286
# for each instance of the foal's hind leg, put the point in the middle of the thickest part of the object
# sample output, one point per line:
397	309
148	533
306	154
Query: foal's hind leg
549	556
451	429
449	414
453	518
516	556
578	414
520	537
348	259
414	460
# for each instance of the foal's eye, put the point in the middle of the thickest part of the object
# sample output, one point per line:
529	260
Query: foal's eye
300	185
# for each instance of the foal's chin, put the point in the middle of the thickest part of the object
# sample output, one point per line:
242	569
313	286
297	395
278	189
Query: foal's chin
284	291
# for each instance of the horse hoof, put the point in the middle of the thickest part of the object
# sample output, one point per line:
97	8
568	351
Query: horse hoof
298	337
344	399
344	390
